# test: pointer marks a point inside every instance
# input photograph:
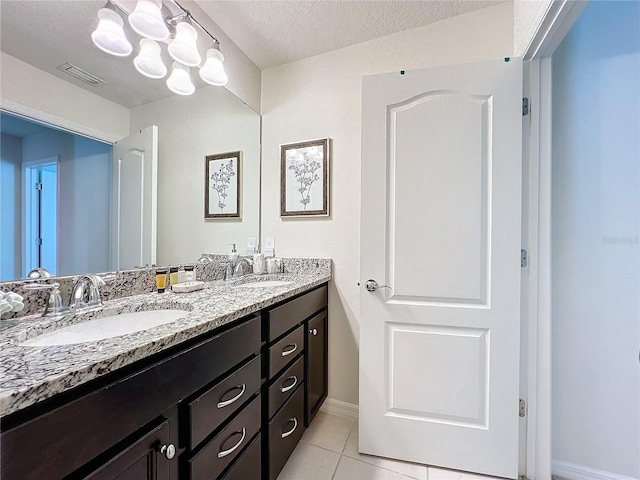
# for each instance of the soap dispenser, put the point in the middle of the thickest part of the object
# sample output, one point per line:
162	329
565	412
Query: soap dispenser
258	262
233	254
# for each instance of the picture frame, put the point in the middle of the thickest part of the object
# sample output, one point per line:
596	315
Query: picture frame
304	178
222	182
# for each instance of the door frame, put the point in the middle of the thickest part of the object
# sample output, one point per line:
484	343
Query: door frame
28	220
536	209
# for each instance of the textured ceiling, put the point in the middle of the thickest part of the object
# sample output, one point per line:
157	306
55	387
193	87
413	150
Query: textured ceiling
274	32
49	33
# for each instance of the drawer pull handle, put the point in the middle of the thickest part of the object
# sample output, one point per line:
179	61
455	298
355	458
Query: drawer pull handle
295	425
235	447
313	331
286	353
286	389
231	400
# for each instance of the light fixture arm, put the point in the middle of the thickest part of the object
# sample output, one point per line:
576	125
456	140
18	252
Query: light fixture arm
117	6
172	21
193	20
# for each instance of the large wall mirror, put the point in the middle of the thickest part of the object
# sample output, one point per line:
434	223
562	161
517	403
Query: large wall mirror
212	121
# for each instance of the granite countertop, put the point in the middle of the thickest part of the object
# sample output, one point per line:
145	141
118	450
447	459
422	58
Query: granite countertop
31	374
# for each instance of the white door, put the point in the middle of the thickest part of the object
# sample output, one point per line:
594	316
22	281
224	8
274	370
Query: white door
49	218
134	200
441	204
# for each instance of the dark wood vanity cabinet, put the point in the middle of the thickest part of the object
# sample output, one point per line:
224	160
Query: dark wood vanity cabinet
296	351
231	404
96	430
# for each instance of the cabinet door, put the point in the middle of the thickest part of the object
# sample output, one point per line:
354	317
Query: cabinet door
316	363
142	459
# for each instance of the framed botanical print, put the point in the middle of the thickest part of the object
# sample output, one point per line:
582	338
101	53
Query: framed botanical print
222	185
304	178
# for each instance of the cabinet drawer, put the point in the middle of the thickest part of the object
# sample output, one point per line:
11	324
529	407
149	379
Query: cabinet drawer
286	316
284	351
248	466
285	385
285	431
218	453
218	403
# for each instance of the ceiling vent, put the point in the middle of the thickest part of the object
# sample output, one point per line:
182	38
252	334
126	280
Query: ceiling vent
81	74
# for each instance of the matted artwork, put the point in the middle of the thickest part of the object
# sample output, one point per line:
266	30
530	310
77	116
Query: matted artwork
222	185
304	178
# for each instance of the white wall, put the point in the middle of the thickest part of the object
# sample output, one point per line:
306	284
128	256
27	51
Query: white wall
84	180
10	211
321	97
595	243
244	75
32	92
189	128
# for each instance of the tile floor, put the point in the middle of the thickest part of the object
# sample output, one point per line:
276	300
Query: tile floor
329	451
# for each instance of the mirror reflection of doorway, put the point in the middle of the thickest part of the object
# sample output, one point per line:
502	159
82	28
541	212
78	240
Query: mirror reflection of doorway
41	215
72	219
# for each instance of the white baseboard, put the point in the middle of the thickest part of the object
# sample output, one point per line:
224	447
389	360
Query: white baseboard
570	471
340	409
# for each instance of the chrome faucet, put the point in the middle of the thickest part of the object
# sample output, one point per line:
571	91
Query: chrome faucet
86	293
239	270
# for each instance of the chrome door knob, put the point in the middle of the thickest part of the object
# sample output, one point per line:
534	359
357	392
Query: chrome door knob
168	451
313	331
371	285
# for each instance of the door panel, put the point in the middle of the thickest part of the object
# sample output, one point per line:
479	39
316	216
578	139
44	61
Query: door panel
426	159
457	394
439	349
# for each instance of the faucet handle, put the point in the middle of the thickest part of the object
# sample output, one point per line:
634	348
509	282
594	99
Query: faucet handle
54	304
228	275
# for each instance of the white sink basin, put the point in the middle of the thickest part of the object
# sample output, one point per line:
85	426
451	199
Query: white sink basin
106	327
265	284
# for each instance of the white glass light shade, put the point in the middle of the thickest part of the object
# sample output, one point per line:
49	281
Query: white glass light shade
179	81
212	71
148	62
146	19
183	48
109	36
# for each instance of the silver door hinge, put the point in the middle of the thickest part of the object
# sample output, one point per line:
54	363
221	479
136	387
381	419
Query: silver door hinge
524	258
38	186
522	409
38	241
525	106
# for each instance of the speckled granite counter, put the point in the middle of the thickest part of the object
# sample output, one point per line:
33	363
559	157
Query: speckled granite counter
31	374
